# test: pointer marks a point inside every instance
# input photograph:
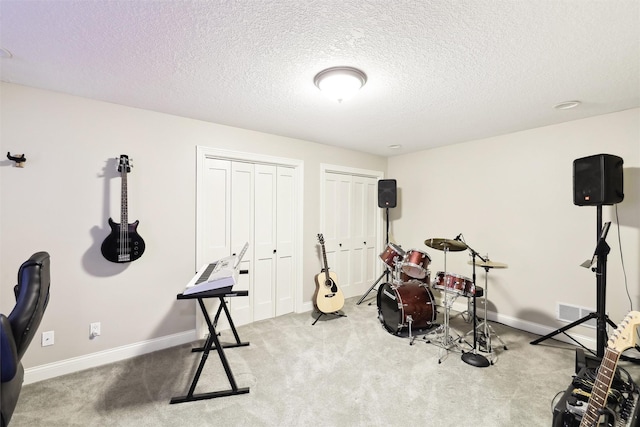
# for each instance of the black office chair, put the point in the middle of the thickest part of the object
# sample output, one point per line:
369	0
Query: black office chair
17	330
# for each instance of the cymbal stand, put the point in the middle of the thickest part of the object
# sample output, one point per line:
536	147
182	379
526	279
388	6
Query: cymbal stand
445	341
484	326
473	358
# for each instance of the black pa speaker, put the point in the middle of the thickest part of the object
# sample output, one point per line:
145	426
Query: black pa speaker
597	180
387	193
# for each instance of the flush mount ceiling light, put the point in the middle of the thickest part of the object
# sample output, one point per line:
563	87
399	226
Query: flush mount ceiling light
340	83
567	105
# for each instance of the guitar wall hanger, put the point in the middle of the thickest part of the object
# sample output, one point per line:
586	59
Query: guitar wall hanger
19	159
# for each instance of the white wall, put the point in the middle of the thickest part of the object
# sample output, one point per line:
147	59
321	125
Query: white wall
61	200
511	197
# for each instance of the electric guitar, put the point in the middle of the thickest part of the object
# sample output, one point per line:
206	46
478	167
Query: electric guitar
328	298
623	338
123	244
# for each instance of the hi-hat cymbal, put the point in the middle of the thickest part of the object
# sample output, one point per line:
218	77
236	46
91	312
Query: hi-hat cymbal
489	264
446	244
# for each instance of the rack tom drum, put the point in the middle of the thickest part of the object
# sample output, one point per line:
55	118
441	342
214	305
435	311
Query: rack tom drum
391	255
415	263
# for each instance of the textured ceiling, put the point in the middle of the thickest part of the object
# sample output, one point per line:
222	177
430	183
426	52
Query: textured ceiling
439	72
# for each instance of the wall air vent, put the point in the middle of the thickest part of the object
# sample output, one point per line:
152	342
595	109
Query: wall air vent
570	313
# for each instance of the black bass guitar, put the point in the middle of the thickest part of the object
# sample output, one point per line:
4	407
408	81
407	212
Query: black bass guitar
124	244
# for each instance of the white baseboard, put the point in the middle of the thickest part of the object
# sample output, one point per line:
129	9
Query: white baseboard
306	306
534	328
75	364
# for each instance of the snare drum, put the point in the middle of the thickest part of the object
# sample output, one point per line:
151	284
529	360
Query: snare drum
397	305
455	283
415	263
392	254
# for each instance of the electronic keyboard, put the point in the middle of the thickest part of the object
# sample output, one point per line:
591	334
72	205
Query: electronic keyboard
216	275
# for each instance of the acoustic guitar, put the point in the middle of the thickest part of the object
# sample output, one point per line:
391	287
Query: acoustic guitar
123	244
329	298
623	338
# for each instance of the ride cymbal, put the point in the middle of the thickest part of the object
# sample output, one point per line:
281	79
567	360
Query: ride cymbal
446	244
489	264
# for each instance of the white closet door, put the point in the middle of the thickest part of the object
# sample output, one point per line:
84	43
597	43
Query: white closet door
215	241
247	198
363	236
372	215
217	204
265	242
241	225
337	233
285	227
350	218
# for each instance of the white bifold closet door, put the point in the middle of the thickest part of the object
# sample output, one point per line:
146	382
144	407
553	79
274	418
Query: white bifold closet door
249	202
350	228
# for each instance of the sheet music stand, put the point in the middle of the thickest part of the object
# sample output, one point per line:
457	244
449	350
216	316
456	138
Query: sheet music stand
212	342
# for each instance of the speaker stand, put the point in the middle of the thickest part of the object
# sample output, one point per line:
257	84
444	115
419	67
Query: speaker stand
602	250
386	273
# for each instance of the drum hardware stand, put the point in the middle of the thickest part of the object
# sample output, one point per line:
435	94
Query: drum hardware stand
411	337
445	341
384	273
473	358
468	313
485	328
600	253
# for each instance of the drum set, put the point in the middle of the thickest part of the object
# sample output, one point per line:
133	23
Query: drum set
406	303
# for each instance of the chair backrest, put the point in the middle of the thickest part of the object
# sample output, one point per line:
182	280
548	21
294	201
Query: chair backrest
32	297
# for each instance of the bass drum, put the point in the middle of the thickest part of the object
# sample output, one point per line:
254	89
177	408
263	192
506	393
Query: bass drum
409	301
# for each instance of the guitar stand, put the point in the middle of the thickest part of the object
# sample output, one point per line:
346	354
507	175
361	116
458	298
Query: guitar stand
335	313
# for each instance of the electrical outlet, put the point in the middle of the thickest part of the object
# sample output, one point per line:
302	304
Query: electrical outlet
47	338
95	330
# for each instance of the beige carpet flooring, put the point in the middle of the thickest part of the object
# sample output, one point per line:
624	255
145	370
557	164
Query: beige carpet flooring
344	371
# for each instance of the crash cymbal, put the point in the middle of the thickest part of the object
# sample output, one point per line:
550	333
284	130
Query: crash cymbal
489	264
446	244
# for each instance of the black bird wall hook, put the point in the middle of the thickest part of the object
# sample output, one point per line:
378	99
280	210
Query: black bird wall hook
19	159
